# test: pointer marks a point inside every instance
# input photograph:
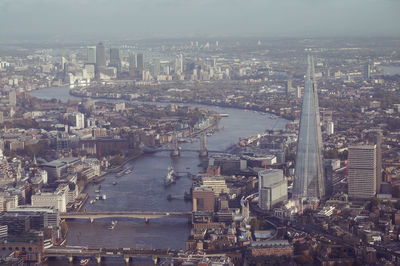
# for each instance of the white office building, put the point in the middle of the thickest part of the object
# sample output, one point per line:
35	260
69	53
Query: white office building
57	200
362	172
272	188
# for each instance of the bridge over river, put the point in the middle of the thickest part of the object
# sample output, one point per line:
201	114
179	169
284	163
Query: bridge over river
128	254
124	214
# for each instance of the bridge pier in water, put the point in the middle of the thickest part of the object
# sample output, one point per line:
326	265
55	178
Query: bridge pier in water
98	258
155	260
175	148
203	146
70	259
147	220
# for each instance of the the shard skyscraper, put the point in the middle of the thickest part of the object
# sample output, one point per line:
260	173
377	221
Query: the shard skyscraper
309	180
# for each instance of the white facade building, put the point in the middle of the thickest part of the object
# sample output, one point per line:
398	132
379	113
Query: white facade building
362	171
79	120
218	184
57	200
272	188
330	128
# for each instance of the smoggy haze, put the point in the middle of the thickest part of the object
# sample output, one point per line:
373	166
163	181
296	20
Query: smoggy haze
184	18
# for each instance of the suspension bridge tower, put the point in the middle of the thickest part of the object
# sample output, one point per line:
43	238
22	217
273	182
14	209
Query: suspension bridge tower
203	145
175	148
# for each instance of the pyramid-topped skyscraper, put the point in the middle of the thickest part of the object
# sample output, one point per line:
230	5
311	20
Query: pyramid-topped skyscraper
309	180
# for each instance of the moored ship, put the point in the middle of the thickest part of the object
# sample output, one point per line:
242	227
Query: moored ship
170	178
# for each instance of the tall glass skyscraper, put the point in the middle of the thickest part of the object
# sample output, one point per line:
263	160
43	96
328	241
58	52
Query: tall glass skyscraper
115	59
309	180
91	55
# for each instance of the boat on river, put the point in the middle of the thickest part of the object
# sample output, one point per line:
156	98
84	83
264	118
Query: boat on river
124	172
112	225
170	178
84	261
150	150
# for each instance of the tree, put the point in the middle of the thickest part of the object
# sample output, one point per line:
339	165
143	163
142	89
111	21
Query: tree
117	160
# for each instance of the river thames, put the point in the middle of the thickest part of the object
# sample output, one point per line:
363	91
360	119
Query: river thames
143	189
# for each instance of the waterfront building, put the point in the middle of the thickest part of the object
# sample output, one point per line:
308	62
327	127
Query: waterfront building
272	188
218	184
57	200
362	172
203	199
16	224
49	215
309	181
229	164
55	169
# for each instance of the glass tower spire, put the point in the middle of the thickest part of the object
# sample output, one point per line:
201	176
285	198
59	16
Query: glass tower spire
309	181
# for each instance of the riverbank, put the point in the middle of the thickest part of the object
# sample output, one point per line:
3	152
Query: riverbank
129	159
219	104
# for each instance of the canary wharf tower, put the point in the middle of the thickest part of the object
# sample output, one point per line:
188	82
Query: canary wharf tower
309	181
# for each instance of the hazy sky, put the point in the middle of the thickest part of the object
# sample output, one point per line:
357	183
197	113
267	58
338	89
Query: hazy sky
187	18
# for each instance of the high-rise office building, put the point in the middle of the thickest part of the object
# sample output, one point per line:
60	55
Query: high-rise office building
115	59
179	64
330	128
378	142
91	55
362	172
289	87
367	70
132	62
140	62
156	67
12	97
298	92
63	62
309	181
100	58
272	188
